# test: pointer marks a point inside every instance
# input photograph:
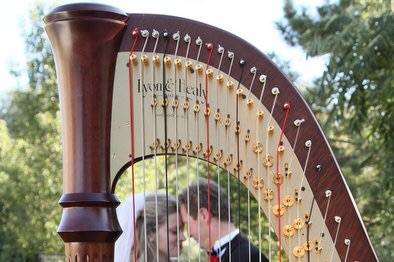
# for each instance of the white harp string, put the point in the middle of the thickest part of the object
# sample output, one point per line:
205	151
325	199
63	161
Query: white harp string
145	34
156	35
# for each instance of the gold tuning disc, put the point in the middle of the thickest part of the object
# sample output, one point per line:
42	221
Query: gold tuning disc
298	251
268	194
288	231
258	183
298	223
260	114
278	179
308	246
278	210
288	201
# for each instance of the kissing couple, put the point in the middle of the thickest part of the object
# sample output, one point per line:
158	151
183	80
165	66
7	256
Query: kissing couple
220	238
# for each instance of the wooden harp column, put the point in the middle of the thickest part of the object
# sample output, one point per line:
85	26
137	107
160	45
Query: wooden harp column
85	40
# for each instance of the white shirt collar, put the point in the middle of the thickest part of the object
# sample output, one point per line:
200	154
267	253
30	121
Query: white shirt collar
224	240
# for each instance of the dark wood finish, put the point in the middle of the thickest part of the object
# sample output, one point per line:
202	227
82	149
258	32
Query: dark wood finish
85	39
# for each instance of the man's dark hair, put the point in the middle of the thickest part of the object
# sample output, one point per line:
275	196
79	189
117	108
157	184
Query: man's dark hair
215	190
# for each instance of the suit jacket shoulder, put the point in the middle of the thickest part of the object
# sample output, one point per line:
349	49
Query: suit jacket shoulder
240	251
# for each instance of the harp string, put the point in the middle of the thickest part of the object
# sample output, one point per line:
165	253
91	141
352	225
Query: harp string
275	92
206	113
308	144
297	124
220	50
176	37
166	37
155	34
135	35
145	34
262	79
230	55
198	146
238	166
187	39
338	221
286	107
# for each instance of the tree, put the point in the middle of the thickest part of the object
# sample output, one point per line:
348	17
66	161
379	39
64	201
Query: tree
354	99
30	153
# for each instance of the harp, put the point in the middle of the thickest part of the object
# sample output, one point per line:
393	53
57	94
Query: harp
180	87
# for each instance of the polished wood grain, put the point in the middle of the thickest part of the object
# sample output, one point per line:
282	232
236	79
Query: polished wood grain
85	40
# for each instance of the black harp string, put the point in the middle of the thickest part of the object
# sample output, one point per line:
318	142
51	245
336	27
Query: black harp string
220	50
237	127
165	34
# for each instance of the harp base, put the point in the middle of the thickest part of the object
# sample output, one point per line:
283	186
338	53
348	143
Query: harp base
89	251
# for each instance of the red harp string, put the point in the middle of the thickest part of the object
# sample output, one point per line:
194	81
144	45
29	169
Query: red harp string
135	36
206	113
286	107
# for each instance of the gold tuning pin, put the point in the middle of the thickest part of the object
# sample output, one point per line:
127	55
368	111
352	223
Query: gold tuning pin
260	114
196	107
133	58
144	59
199	68
178	63
270	130
167	60
156	59
228	160
220	78
187	147
209	72
186	104
218	155
249	102
239	91
217	116
247	136
207	111
227	121
189	65
230	84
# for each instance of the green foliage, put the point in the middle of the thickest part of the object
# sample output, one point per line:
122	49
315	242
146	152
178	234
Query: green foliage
30	154
354	99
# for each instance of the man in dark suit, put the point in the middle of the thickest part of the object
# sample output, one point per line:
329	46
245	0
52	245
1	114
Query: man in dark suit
222	239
